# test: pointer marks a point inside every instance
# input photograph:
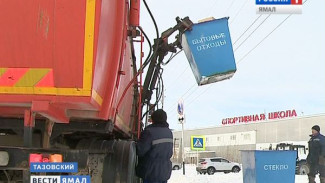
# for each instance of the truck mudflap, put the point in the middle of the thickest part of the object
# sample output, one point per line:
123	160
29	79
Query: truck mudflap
111	161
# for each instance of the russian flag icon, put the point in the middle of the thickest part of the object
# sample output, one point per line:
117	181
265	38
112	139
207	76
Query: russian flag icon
296	2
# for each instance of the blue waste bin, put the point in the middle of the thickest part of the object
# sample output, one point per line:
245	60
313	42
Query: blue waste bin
269	166
209	50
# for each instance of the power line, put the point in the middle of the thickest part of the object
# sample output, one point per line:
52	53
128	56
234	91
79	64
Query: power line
199	95
252	32
240	9
181	73
195	98
171	107
247	29
242	44
232	2
266	37
263	39
212	7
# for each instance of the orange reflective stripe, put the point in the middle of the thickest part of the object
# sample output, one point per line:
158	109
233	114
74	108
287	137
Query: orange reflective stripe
12	76
97	97
31	77
47	80
2	70
26	77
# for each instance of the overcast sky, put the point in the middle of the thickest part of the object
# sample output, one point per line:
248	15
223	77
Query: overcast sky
286	71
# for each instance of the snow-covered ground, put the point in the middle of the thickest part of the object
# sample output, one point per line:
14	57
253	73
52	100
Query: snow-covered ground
192	177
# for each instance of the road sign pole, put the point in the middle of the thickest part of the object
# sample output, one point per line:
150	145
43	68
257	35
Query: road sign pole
197	157
183	154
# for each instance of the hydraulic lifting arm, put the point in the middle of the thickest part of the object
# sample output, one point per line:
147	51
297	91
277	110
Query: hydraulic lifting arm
162	47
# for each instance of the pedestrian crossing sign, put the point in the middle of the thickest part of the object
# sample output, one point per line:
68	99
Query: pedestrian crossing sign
198	143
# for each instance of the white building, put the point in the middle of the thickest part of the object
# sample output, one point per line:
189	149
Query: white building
227	140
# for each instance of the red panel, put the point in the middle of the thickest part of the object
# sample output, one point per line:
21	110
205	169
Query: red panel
124	110
27	37
44	34
69	43
108	53
50	34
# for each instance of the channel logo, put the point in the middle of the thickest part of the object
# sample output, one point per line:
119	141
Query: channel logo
278	6
60	179
279	2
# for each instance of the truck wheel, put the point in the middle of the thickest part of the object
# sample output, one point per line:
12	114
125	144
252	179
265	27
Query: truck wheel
235	169
211	170
303	169
176	167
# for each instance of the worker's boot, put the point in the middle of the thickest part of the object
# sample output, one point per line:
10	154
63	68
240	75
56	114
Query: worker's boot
322	179
311	179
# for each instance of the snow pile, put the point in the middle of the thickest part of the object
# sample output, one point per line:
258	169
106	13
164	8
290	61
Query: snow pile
191	176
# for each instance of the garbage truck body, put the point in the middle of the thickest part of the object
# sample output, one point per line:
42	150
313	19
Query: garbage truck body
67	86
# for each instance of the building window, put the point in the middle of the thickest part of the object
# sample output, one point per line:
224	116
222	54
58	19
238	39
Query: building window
247	137
233	137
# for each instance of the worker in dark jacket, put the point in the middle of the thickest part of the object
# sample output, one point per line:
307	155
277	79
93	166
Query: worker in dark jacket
316	155
154	149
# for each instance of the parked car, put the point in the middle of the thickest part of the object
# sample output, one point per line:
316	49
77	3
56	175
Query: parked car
217	164
176	166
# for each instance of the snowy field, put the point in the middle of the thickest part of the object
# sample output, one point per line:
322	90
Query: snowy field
192	177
